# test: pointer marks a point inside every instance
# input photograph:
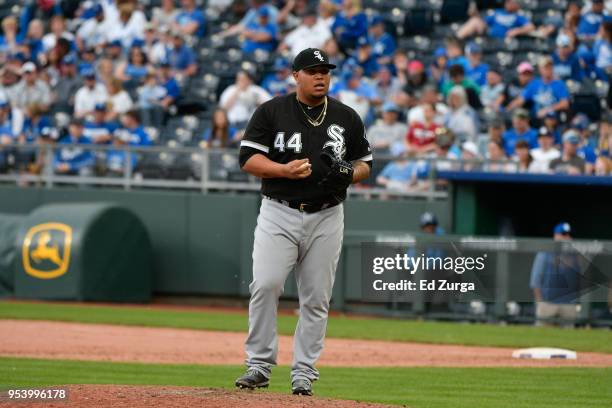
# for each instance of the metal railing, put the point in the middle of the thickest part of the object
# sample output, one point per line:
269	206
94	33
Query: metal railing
194	168
189	168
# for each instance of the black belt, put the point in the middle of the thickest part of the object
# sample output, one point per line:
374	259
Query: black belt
304	206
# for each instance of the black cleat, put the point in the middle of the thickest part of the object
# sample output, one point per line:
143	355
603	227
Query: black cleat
301	387
252	379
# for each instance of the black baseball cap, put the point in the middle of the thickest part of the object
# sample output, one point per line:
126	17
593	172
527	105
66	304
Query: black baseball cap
311	57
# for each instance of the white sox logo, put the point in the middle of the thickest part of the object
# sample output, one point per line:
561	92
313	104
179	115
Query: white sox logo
336	143
318	55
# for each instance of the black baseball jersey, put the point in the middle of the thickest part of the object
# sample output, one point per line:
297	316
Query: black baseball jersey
279	130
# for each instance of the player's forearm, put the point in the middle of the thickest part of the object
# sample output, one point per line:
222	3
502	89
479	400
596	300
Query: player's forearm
260	166
361	171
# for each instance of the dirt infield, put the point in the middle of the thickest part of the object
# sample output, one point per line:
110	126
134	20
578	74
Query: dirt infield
99	342
95	396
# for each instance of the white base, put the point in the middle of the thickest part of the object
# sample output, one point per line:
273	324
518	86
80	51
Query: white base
544	353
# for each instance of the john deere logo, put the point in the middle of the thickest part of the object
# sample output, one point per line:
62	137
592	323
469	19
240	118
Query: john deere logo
46	250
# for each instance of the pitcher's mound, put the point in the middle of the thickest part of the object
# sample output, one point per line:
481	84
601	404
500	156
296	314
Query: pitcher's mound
134	396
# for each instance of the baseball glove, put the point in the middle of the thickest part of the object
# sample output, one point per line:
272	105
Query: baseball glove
339	176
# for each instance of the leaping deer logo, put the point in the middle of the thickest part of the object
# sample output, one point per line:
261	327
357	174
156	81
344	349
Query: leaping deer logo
50	242
44	251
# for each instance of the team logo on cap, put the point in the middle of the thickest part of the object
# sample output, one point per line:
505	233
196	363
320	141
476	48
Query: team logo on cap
46	250
318	55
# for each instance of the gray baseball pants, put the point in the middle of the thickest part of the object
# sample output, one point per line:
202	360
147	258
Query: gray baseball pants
287	239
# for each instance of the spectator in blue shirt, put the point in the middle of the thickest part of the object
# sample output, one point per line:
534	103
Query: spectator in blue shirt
133	71
429	224
262	34
35	121
6	133
99	130
279	82
555	281
190	20
350	24
602	51
501	23
131	134
591	20
547	93
250	17
365	58
566	63
520	131
588	141
582	124
551	123
33	39
6	137
452	55
439	66
158	96
398	175
353	91
10	40
454	51
181	57
476	69
74	160
170	85
383	43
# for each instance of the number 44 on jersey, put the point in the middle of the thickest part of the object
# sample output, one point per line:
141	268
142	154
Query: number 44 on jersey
294	143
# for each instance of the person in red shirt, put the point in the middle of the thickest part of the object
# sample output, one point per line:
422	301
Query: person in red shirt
421	136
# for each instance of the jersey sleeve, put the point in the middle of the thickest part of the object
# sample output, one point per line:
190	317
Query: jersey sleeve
358	146
257	136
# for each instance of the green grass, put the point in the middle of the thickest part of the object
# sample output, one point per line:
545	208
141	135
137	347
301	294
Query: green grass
415	387
340	327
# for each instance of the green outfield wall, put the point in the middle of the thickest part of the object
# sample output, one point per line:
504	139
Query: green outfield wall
201	243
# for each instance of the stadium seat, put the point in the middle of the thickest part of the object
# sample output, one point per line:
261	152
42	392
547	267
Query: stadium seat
454	11
180	170
489	4
587	103
418	22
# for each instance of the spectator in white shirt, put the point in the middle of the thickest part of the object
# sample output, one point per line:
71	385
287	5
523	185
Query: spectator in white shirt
461	119
92	32
165	15
429	95
387	134
31	89
129	25
242	98
491	94
312	33
543	155
89	95
118	99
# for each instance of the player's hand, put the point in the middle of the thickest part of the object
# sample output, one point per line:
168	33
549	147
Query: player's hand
298	169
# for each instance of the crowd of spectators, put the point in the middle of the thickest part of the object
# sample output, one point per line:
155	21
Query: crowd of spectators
120	68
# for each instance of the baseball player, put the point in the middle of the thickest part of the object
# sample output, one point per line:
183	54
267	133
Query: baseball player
308	148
